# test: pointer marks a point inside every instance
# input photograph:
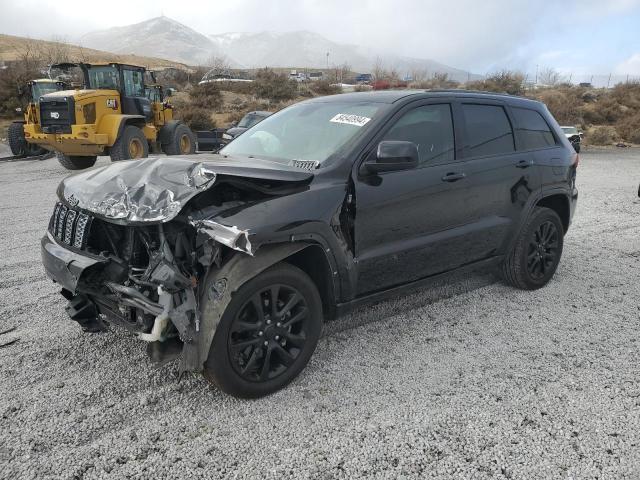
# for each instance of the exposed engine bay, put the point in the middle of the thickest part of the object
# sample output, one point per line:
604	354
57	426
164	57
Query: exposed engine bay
142	258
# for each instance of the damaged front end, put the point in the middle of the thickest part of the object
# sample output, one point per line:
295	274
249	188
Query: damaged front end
134	244
144	278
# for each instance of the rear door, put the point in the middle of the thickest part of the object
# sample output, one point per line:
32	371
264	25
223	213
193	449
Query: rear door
405	225
499	178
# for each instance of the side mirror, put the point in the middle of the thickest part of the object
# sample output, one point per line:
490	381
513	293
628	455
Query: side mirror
393	155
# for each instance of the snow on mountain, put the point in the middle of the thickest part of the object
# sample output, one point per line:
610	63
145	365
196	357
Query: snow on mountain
158	37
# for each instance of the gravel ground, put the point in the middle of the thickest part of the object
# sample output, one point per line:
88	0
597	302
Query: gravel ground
468	380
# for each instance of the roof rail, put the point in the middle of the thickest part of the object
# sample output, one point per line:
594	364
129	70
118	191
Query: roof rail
461	90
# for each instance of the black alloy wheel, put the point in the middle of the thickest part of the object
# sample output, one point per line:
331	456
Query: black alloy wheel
543	250
536	253
268	333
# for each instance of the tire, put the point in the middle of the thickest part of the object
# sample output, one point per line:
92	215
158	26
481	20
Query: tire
75	162
131	143
241	324
183	142
17	142
537	251
576	147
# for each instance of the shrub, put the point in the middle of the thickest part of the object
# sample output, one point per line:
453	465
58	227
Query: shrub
206	95
439	80
563	103
197	118
629	128
502	82
245	88
275	87
323	87
603	135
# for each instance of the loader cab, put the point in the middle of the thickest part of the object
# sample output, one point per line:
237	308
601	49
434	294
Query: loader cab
38	88
128	80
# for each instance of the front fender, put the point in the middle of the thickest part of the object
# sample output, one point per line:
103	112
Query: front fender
220	285
113	124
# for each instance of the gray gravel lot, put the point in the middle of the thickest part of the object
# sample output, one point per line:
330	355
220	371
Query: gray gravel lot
467	380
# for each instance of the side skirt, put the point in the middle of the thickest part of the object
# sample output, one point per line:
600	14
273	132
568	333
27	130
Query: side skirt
345	308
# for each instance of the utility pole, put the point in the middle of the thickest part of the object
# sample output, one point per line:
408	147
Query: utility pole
609	81
327	60
536	82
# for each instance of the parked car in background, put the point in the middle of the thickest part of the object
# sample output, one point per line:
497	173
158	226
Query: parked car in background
233	261
213	140
248	121
364	78
574	136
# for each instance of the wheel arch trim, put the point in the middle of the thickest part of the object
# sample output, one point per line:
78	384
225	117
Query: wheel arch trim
221	284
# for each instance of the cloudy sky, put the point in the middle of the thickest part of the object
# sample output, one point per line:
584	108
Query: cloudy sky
572	36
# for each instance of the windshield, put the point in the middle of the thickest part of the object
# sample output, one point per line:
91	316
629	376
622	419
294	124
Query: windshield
308	131
40	89
104	78
569	129
250	120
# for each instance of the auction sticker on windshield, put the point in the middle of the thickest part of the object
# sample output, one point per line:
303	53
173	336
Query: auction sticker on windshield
350	119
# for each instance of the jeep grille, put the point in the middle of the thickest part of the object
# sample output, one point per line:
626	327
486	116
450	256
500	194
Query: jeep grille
70	226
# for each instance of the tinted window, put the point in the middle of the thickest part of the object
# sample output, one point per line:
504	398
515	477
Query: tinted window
430	127
533	130
133	83
488	130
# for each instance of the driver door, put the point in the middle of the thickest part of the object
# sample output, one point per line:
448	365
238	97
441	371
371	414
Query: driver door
407	223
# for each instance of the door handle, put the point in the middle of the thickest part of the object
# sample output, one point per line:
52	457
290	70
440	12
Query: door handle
524	163
453	177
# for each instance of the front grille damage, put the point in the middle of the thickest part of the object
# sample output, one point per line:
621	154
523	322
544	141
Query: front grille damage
151	280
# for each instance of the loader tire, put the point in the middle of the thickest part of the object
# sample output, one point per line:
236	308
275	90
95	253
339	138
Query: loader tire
183	142
74	162
130	144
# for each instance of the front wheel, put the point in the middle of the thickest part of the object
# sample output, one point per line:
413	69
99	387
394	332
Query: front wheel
267	334
130	144
74	162
15	136
537	251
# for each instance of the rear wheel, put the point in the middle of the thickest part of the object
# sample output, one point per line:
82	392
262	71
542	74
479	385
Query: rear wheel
183	142
267	333
536	254
19	145
130	144
75	162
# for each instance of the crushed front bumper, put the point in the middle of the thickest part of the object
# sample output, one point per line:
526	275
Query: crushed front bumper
63	265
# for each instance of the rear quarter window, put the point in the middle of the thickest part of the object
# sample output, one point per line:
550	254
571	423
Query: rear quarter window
533	130
488	130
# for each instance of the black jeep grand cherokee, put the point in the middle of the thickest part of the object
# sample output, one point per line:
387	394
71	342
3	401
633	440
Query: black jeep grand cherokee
233	261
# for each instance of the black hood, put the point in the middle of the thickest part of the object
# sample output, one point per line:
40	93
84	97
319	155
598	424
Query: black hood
235	131
154	190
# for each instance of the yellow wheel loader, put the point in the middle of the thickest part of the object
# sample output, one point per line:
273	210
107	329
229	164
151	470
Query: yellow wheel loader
115	114
30	97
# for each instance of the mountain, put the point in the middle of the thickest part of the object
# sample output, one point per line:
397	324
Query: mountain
309	49
158	37
167	38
